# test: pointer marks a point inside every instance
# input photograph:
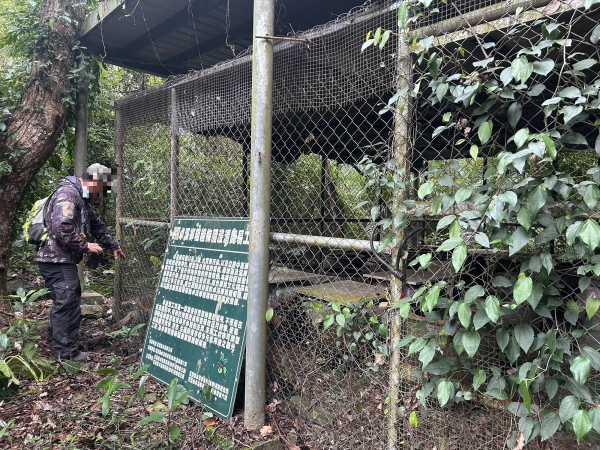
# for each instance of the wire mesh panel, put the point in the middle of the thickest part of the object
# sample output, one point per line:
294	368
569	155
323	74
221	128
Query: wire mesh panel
346	137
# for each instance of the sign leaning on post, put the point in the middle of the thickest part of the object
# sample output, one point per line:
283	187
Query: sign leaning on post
197	327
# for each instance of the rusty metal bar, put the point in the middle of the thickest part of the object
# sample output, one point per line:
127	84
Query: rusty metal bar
260	190
174	155
119	140
147	223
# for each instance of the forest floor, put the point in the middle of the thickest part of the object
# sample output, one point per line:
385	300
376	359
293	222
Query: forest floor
63	411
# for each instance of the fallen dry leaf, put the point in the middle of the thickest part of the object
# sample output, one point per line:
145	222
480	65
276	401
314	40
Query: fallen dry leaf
520	442
210	421
552	7
266	430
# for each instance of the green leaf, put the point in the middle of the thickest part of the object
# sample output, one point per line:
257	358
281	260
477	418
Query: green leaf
450	244
506	76
442	366
581	424
502	337
591	196
509	197
473	293
484	132
526	395
431	298
551	386
108	371
570	112
514	113
590	233
443	223
462	194
595	416
405	340
524	335
441	90
382	330
269	314
329	319
550	424
549	143
521	137
417	345
470	342
478	378
580	368
513	350
520	238
584	64
464	315
474	151
537	199
425	189
444	392
570	92
154	416
458	257
413	419
521	69
105	405
492	308
543	67
595	36
568	406
591	306
174	432
523	289
402	11
340	319
426	355
525	218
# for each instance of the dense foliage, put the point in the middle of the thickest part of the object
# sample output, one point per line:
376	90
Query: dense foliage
542	213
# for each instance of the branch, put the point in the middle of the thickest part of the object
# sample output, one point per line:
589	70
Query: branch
472	31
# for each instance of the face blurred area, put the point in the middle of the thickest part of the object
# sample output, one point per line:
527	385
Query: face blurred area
95	188
97	181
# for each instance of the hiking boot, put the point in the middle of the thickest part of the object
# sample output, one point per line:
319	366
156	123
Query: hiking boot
77	357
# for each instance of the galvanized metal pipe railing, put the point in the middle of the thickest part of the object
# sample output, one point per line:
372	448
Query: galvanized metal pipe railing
324	241
260	187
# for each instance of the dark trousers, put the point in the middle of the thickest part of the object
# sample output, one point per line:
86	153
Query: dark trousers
65	290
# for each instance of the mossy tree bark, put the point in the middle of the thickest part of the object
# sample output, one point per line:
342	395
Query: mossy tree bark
36	125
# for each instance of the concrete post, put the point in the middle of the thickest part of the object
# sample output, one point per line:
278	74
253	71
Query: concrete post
260	187
400	151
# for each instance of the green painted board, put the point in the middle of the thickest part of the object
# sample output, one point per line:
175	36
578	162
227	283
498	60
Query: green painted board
197	327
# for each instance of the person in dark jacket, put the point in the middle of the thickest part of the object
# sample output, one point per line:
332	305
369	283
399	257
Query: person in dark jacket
70	222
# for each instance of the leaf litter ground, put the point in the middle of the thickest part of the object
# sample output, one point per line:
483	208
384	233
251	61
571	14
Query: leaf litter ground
62	412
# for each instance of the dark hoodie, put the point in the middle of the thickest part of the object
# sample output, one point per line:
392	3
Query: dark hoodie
70	220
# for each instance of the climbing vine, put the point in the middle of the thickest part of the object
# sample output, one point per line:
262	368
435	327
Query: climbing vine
530	206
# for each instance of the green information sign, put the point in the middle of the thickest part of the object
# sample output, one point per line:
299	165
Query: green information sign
197	327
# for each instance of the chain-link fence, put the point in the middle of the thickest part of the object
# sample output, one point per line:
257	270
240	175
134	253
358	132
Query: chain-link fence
184	149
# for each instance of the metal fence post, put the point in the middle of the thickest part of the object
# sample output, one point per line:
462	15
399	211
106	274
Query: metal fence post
400	150
119	139
260	187
174	155
80	150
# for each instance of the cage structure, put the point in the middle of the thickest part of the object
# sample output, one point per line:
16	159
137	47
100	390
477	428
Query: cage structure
184	148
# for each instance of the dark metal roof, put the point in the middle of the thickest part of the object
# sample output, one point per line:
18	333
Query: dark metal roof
175	36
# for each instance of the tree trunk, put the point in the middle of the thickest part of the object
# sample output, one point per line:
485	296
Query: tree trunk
35	126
